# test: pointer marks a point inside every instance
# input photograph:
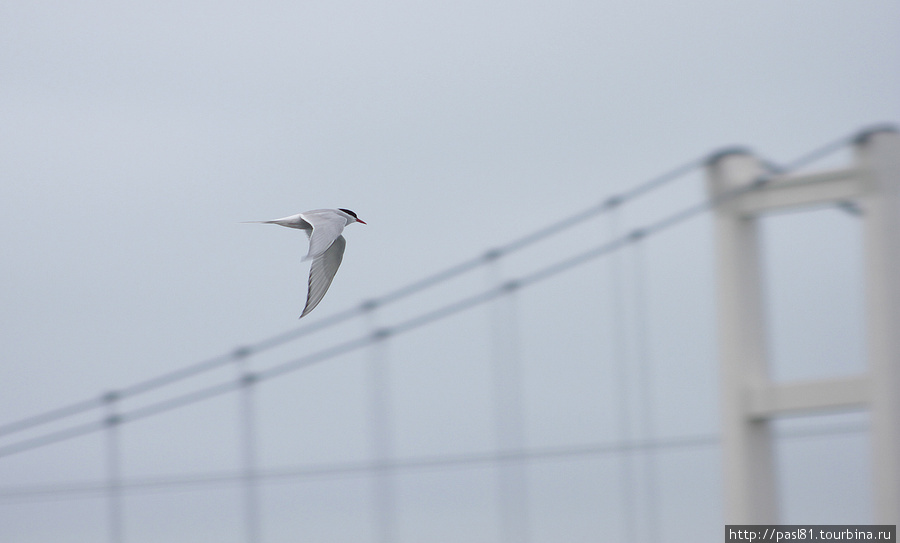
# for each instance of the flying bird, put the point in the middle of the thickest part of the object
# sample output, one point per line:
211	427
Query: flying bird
326	246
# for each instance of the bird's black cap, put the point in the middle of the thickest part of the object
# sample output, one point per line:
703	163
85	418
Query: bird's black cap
348	212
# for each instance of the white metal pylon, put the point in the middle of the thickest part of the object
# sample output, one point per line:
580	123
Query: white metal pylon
749	400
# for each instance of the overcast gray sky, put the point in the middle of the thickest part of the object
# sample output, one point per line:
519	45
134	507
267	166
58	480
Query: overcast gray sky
134	138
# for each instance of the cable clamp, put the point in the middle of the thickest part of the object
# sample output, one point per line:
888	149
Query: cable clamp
382	333
242	352
511	286
637	234
613	201
493	254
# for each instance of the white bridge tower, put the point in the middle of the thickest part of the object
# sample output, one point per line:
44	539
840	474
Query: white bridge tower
749	399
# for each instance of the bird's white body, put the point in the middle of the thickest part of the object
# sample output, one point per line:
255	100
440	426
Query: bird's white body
326	246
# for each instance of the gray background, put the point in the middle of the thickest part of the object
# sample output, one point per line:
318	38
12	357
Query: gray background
135	137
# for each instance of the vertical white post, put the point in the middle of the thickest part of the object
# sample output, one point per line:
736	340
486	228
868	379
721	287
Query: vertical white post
748	462
252	528
509	422
878	156
383	494
621	360
645	393
114	469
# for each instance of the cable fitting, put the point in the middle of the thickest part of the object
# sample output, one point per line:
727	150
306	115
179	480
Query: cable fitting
850	207
493	254
761	181
637	234
241	352
112	420
249	379
370	305
110	397
511	286
774	168
718	155
382	333
863	135
613	201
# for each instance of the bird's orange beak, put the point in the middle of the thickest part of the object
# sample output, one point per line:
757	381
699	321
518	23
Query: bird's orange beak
358	220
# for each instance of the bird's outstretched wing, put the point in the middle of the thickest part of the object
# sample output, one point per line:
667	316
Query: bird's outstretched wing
322	271
326	227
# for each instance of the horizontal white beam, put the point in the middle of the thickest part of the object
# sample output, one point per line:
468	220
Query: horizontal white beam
766	401
803	190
